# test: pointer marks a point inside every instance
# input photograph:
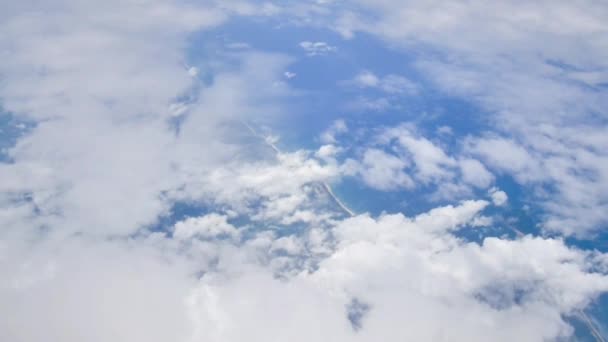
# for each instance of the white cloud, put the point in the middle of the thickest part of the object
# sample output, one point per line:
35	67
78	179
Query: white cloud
499	197
135	157
391	84
366	79
380	170
288	244
209	226
418	281
482	221
337	128
474	173
506	154
283	191
445	130
400	157
193	71
93	290
317	48
103	162
100	155
328	151
431	162
384	262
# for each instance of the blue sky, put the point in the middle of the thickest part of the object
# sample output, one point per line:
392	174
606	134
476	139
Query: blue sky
313	170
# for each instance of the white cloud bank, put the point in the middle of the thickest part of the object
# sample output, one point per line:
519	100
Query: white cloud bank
417	280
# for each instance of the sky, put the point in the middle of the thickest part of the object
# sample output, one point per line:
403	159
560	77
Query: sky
328	170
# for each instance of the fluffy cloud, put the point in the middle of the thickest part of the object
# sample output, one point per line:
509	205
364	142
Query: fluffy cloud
432	163
380	170
328	151
509	156
208	226
112	144
88	289
475	173
400	158
499	197
411	271
106	157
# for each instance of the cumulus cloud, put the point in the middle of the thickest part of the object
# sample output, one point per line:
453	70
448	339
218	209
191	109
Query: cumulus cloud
401	158
109	144
328	152
499	197
104	161
406	271
402	269
208	226
380	170
431	160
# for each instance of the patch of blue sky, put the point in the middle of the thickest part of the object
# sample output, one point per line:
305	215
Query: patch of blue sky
178	211
524	213
183	209
321	81
521	211
581	331
11	129
598	313
598	242
593	323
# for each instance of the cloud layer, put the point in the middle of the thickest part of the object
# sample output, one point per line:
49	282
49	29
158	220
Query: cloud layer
127	119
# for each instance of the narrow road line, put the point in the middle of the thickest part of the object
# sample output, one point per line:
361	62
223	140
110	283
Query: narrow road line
594	331
325	185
